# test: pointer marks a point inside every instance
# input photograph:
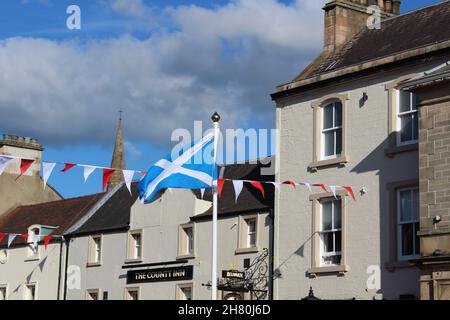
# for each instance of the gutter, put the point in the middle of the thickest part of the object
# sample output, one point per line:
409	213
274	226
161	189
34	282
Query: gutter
288	89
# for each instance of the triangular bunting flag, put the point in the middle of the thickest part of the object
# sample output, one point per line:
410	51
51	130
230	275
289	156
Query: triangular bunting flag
4	160
11	238
47	239
220	183
128	176
292	183
68	166
321	185
143	173
47	168
333	190
2	236
237	184
24	236
87	171
350	191
24	165
258	186
202	192
107	174
308	185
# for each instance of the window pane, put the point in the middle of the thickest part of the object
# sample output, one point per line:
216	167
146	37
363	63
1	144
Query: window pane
337	214
415	124
186	293
251	225
328	242
405	101
407	239
415	204
2	294
327	216
406	125
328	116
338	241
338	114
414	102
252	240
416	238
405	205
329	143
338	141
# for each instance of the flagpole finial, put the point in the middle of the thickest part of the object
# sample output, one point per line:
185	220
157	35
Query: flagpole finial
215	117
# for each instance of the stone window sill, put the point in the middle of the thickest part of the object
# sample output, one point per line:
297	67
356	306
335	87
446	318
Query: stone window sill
138	260
392	266
246	250
341	161
392	151
93	264
340	270
33	258
185	257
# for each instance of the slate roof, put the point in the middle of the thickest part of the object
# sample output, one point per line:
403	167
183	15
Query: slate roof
409	31
250	199
114	214
60	213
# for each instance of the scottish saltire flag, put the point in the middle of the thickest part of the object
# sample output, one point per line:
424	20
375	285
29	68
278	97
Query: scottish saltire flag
189	169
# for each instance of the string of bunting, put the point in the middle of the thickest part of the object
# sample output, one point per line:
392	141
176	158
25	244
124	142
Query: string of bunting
49	166
238	185
33	239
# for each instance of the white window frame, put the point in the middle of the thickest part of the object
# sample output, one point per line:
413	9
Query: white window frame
185	243
90	291
4	287
399	115
180	292
400	256
333	129
92	251
26	290
322	232
132	255
127	295
249	233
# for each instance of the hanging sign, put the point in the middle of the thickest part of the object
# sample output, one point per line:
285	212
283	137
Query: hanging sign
161	274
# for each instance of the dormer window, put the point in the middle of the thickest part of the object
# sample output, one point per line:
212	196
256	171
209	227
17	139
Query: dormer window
33	241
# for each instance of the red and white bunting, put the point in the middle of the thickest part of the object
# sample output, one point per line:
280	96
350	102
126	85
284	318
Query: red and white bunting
87	171
128	177
238	185
47	239
202	192
258	185
24	166
4	160
107	174
2	236
11	238
47	168
68	166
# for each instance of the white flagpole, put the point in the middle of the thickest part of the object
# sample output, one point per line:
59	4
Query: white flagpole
215	118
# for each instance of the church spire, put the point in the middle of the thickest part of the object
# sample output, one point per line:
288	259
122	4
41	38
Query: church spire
118	158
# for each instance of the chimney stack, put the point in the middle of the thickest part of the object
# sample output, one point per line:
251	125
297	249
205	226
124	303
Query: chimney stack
345	18
23	147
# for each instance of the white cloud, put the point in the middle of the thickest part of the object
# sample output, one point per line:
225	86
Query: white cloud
227	59
130	8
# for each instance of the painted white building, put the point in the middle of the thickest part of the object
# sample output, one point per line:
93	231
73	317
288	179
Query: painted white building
345	121
33	272
162	250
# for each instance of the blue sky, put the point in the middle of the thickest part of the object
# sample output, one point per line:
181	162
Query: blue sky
164	63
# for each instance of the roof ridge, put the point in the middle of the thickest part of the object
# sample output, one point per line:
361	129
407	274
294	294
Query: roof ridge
60	200
441	2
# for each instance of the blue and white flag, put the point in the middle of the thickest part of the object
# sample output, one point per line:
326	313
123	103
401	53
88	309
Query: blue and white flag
188	170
